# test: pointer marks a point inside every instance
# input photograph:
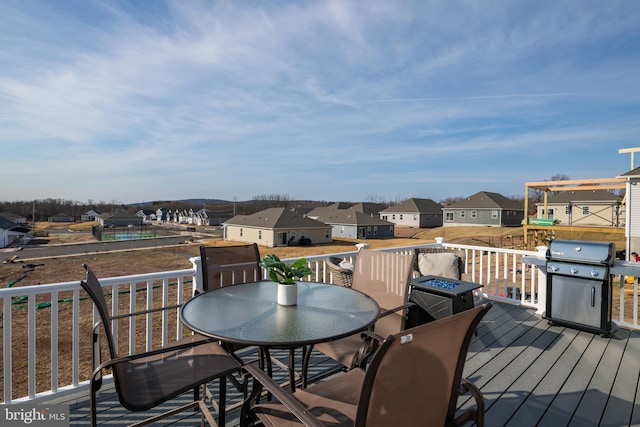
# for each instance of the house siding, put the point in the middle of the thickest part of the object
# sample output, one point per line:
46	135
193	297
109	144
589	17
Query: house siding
600	214
633	214
270	237
413	219
462	217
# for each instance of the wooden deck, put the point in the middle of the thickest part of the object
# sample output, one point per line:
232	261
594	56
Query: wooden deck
530	373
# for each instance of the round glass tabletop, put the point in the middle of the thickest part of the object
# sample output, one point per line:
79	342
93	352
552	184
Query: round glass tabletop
249	314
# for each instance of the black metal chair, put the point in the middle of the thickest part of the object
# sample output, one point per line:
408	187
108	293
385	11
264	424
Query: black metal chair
146	380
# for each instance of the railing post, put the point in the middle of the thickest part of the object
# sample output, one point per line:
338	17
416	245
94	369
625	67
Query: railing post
542	282
197	279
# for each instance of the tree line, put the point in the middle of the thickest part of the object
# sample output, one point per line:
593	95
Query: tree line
44	208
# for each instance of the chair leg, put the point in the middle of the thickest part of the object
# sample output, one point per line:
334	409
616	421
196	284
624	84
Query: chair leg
222	407
93	407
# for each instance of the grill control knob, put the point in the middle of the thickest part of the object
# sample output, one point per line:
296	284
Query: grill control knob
574	270
594	273
554	267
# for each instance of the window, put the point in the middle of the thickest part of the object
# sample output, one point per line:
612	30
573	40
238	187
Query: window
393	216
368	231
259	234
241	232
494	214
401	216
585	210
326	234
474	214
567	209
550	213
375	229
463	214
448	216
342	229
391	229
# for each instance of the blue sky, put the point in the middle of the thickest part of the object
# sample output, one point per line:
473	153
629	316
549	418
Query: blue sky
133	101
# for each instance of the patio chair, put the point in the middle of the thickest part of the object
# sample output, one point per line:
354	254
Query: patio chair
413	379
384	276
342	276
229	265
232	265
146	380
442	262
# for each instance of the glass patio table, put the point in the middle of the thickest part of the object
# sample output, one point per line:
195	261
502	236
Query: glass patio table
248	314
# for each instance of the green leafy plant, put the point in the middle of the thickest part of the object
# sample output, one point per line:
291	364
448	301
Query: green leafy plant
283	273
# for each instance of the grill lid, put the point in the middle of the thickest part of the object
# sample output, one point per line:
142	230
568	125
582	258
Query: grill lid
580	251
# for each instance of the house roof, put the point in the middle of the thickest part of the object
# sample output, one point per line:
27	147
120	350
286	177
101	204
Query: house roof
415	205
275	218
369	208
634	173
486	200
121	215
349	217
578	196
7	224
12	217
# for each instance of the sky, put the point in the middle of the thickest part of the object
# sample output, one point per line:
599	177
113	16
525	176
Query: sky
377	100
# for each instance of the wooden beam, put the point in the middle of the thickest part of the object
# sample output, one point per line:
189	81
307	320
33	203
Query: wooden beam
576	182
586	187
632	151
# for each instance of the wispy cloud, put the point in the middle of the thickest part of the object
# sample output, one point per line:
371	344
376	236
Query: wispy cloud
331	99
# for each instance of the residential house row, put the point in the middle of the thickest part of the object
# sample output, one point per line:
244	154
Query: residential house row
277	227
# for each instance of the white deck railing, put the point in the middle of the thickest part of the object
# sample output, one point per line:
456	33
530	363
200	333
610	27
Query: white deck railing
39	321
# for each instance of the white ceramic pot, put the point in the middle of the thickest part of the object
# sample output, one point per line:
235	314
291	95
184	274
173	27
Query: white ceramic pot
287	294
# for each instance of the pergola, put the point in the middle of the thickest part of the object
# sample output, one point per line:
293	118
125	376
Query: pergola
566	185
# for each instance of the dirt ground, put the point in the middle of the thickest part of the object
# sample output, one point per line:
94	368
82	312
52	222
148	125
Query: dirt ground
63	269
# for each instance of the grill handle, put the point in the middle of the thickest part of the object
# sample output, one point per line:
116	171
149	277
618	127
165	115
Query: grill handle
593	297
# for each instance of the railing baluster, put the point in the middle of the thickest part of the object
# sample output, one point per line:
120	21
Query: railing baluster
7	358
75	338
149	324
31	358
133	303
53	328
179	300
165	313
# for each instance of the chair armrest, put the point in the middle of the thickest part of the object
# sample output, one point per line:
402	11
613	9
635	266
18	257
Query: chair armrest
141	312
284	396
123	359
393	310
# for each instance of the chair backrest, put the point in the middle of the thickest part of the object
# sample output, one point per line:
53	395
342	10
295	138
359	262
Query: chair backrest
229	265
384	276
92	286
441	262
414	377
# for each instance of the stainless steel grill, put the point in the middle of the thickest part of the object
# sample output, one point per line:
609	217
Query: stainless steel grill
579	285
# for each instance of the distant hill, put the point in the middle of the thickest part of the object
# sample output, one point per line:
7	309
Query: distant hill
185	201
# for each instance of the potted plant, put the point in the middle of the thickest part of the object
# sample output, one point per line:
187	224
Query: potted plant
284	275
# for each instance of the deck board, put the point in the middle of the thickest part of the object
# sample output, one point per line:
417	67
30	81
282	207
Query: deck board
530	373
